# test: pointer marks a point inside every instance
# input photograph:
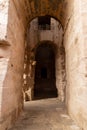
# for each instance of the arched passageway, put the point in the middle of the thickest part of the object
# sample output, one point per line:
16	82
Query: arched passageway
44	46
17	16
45	81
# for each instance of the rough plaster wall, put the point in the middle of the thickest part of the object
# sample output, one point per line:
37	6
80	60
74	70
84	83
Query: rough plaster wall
83	90
12	101
76	90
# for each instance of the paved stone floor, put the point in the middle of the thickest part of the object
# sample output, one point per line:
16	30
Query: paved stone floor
47	114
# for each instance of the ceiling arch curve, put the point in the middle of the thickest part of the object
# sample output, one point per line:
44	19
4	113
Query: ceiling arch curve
54	8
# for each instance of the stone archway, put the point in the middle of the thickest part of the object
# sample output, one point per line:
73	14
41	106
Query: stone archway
46	7
59	70
18	15
54	36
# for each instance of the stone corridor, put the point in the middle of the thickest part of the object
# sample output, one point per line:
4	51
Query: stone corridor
59	29
45	114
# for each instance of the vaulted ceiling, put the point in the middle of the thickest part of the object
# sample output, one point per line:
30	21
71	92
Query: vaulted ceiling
30	9
34	8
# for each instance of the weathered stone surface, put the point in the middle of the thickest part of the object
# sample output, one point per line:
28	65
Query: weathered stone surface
15	16
75	64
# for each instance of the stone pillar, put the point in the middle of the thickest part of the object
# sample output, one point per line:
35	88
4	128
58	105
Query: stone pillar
60	73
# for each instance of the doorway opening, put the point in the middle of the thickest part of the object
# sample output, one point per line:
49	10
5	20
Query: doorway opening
45	81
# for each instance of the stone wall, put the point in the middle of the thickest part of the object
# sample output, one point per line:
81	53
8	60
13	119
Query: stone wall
12	61
76	90
4	48
13	35
13	23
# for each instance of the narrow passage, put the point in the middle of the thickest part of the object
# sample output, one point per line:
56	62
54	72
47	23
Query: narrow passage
47	114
